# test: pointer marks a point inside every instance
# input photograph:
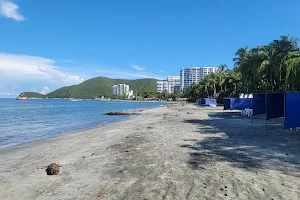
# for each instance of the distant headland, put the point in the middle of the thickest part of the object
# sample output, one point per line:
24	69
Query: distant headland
98	87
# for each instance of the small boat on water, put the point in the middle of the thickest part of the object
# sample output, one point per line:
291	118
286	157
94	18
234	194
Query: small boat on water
21	97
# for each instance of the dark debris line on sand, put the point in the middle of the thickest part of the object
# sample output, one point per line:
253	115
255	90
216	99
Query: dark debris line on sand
121	113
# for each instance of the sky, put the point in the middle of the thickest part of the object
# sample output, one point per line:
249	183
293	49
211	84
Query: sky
48	44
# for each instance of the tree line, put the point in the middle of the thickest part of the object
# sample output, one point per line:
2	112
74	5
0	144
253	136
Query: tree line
271	68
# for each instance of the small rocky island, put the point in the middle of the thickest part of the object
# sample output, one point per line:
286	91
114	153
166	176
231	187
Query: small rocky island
121	113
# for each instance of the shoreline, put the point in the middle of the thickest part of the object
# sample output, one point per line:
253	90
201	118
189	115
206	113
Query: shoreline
70	99
171	152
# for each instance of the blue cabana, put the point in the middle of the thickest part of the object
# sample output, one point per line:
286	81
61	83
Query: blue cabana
226	102
207	101
275	103
210	101
259	104
292	110
240	103
201	101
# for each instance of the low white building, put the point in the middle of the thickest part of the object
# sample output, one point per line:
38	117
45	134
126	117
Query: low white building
173	83
162	86
168	85
130	95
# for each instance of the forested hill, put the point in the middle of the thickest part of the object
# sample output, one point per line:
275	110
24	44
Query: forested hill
33	95
100	86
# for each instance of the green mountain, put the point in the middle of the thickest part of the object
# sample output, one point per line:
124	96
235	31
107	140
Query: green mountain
101	86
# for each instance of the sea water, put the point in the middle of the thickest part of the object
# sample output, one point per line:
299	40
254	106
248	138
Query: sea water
24	121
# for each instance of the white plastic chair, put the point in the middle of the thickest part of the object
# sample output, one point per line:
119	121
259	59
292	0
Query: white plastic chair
243	112
249	113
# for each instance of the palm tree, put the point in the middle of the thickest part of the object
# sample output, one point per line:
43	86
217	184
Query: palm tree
220	80
206	84
234	79
222	68
286	44
292	64
241	56
270	65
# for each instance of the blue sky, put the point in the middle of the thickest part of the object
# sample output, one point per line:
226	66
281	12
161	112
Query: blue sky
48	44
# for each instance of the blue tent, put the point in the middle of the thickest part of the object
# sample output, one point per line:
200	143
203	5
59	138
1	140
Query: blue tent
240	103
292	110
284	104
210	101
201	101
226	103
275	103
207	101
259	104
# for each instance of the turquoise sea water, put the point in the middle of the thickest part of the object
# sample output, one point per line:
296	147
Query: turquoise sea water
24	121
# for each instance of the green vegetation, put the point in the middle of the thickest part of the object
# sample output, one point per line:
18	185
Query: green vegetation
165	95
271	68
101	86
33	95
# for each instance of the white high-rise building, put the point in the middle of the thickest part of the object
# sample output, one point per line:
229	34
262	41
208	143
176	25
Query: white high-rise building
188	76
168	84
120	89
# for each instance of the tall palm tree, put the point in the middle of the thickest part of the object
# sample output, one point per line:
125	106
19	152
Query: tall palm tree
292	64
220	80
270	65
286	44
241	56
206	84
222	68
234	79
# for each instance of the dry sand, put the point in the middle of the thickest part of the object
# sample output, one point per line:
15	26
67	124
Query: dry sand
167	153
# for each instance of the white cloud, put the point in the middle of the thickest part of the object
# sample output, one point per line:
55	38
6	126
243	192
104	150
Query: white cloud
10	10
138	68
20	72
45	90
161	71
119	73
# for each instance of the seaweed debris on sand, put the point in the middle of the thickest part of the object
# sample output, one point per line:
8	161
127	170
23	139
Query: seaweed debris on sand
121	113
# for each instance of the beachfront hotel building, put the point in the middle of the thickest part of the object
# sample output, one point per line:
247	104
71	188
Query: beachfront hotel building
162	86
191	75
168	85
121	89
173	83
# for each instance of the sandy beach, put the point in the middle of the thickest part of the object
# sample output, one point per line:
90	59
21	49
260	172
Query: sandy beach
174	152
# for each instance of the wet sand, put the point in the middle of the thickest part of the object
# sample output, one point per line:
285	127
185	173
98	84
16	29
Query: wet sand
173	152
